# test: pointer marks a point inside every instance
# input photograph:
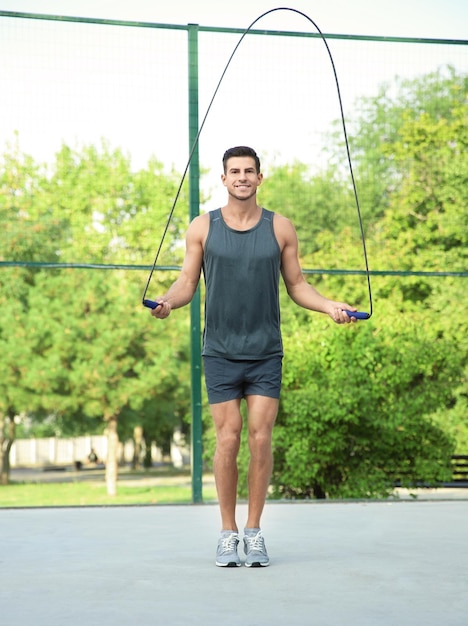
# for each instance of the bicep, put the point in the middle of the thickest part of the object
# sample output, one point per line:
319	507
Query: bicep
290	266
191	267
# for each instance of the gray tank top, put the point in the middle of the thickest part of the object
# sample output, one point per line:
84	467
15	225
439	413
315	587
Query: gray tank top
241	271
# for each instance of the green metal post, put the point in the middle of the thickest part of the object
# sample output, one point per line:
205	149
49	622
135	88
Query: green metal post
194	209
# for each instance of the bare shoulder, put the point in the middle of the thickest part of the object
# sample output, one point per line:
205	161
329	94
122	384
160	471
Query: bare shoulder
198	228
284	230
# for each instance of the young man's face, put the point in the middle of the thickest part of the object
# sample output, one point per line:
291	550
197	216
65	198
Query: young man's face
241	178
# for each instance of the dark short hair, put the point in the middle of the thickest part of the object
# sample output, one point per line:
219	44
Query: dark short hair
241	151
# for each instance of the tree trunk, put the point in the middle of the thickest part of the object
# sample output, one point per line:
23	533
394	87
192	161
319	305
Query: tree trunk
112	450
6	442
148	460
137	447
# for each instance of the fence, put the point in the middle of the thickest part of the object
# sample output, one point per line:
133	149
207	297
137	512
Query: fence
78	80
55	451
144	87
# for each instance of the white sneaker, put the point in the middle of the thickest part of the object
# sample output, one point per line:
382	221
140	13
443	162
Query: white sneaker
226	554
254	548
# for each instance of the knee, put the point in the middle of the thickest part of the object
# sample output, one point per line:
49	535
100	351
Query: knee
260	440
228	441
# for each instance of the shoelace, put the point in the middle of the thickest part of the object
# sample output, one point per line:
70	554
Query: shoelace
256	542
229	543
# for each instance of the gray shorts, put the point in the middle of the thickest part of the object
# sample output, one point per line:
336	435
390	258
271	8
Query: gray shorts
229	380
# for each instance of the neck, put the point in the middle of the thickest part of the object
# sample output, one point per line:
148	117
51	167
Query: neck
241	206
241	215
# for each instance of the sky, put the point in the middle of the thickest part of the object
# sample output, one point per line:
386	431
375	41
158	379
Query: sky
75	83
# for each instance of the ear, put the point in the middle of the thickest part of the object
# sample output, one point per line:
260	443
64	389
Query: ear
260	179
223	179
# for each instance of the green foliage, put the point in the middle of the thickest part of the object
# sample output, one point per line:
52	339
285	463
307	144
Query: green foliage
355	409
427	221
375	130
446	305
385	401
77	346
362	406
315	203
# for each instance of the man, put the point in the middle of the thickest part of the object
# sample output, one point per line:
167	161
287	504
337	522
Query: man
242	249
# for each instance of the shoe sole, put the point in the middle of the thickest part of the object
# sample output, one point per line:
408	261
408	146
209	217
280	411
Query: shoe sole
257	564
230	564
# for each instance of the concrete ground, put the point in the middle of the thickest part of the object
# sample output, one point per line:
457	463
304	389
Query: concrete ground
332	563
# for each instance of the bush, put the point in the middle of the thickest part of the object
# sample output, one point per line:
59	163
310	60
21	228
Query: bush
355	411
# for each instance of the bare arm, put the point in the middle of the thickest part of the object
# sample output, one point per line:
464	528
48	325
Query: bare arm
182	290
298	289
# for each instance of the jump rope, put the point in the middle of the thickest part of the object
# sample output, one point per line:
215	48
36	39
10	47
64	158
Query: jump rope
361	315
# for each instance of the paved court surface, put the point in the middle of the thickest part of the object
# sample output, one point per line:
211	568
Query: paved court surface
351	564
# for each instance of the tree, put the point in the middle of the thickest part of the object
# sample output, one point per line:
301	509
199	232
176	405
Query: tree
365	408
355	409
371	411
427	218
316	202
88	343
375	130
23	238
365	405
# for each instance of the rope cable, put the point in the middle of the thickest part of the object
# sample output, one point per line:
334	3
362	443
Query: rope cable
150	303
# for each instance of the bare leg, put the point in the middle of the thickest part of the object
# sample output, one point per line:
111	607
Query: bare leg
228	423
262	413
